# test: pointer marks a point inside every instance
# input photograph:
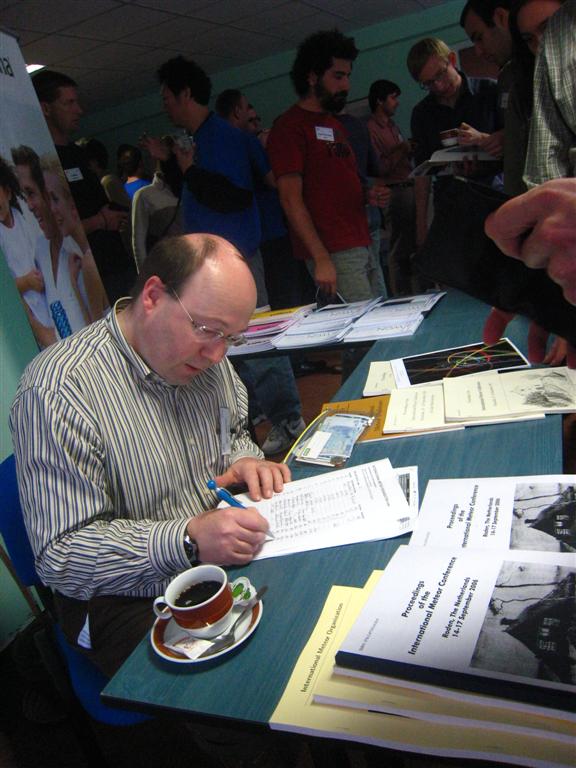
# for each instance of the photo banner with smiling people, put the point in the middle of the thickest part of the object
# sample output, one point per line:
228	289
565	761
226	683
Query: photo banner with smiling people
41	234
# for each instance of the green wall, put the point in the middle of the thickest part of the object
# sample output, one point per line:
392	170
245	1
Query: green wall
383	49
17	348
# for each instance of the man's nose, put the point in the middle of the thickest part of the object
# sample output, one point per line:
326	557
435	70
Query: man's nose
214	351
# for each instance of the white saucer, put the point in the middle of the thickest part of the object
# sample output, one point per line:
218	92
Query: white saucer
167	631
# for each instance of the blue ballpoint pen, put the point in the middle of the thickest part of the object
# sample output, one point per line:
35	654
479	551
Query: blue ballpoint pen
223	495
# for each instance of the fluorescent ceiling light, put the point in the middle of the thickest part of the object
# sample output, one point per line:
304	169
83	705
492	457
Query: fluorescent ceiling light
34	67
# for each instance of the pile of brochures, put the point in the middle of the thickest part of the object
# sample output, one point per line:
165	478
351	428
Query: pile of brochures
336	323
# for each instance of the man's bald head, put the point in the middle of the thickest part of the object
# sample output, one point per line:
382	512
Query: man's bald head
175	259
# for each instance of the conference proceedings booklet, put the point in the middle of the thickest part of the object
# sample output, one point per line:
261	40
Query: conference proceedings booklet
536	512
500	625
319	702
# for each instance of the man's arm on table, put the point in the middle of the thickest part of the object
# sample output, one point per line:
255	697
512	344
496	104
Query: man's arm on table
298	215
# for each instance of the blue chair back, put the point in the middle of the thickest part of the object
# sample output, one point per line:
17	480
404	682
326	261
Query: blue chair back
12	525
87	680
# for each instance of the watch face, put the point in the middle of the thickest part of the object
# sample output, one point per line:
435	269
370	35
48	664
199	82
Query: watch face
191	549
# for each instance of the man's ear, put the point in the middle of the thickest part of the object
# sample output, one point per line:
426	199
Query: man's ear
452	58
500	18
312	79
45	107
152	292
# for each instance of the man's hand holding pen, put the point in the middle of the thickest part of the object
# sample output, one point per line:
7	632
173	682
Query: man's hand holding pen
233	535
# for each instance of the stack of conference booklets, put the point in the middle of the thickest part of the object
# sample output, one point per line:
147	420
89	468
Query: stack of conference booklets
490	397
266	325
531	512
377	408
417	409
358	321
401	718
453	636
432	367
510	394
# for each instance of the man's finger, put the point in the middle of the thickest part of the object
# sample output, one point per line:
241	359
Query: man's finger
495	325
537	343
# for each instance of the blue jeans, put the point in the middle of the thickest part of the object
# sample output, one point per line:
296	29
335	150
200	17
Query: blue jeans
269	380
271	387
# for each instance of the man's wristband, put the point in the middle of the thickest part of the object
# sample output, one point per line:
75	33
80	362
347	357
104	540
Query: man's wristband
191	550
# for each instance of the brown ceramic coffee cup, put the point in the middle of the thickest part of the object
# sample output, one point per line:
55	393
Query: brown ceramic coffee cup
199	600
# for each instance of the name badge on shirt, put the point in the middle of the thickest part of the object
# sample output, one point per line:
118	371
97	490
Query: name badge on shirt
225	443
324	134
73	174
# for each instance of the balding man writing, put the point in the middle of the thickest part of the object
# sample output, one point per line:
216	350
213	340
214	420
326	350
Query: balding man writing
117	430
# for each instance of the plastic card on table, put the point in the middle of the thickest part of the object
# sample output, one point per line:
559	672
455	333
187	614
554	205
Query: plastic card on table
333	438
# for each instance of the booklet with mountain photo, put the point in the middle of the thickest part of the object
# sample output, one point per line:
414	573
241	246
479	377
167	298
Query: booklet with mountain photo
536	512
498	395
500	625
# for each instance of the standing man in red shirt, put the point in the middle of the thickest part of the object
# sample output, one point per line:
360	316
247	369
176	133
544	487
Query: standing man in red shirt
316	173
395	165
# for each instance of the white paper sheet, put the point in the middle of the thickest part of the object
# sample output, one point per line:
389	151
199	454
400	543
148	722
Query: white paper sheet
363	503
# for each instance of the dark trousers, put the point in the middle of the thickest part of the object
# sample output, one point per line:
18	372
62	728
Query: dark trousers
117	625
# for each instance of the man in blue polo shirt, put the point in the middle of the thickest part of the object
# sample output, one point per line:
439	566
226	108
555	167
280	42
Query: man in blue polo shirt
218	198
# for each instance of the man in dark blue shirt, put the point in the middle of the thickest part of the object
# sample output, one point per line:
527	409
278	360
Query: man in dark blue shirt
452	99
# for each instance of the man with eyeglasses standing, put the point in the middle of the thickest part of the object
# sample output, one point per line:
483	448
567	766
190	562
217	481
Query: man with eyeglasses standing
452	99
117	430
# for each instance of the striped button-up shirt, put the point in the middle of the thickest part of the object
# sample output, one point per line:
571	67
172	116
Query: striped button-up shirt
553	125
112	461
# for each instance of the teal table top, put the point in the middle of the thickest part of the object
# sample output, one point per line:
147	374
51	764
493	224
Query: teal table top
247	684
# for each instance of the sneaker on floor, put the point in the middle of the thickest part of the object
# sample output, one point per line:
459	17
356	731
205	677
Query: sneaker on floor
282	435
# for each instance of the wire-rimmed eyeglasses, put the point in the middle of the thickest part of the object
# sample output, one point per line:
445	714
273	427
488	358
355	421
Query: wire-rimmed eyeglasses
429	84
210	334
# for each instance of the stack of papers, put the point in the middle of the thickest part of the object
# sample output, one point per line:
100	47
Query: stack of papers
365	503
467	386
325	326
321	701
450	652
346	323
265	326
418	409
515	394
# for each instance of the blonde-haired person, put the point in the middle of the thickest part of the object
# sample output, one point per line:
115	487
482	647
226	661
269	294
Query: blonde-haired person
86	280
452	99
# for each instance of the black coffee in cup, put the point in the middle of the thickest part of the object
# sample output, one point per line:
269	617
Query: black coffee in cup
197	593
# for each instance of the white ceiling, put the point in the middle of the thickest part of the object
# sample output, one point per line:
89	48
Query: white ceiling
112	48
